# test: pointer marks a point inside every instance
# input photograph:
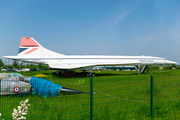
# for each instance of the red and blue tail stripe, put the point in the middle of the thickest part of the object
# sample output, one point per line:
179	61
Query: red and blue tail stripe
28	43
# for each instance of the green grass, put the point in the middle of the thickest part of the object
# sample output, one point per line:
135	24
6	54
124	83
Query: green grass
119	95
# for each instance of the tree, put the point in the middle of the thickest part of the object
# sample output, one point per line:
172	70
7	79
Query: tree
174	65
1	63
15	64
40	65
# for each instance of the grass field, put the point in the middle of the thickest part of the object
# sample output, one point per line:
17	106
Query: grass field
119	95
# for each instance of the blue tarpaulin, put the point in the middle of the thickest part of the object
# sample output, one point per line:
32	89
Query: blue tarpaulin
44	87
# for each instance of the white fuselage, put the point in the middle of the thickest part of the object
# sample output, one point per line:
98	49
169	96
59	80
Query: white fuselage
31	51
82	62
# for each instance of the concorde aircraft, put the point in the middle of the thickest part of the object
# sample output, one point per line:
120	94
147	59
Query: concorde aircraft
31	51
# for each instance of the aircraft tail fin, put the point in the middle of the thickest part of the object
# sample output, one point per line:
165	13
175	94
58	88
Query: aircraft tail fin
30	47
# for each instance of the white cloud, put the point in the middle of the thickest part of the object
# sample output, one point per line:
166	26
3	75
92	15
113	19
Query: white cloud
173	38
121	17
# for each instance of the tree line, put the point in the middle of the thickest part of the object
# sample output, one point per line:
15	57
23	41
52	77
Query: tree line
17	65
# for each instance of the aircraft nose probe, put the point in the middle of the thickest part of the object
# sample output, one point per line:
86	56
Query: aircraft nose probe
50	88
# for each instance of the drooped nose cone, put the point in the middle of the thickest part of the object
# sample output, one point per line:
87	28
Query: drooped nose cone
171	62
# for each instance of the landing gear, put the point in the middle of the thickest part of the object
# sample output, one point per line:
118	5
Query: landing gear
93	75
90	74
65	73
87	75
72	73
138	69
84	73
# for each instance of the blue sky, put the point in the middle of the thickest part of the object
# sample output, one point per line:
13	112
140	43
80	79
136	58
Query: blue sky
93	27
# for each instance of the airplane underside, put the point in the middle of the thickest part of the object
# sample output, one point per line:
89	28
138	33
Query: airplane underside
90	74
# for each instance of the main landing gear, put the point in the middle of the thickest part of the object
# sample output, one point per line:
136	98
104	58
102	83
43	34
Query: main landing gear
138	69
87	74
142	70
72	73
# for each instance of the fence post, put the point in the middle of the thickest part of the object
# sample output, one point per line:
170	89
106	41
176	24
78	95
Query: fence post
91	98
151	97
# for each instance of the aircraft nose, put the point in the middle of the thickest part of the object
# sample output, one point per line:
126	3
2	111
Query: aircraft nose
172	62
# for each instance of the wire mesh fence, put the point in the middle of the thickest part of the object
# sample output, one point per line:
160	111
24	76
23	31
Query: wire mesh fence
111	98
167	97
123	98
63	106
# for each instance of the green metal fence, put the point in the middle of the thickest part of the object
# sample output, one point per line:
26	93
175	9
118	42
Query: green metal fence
122	98
166	97
63	107
141	97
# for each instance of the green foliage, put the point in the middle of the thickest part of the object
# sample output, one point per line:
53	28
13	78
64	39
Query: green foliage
40	65
178	67
1	63
154	67
15	63
174	65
